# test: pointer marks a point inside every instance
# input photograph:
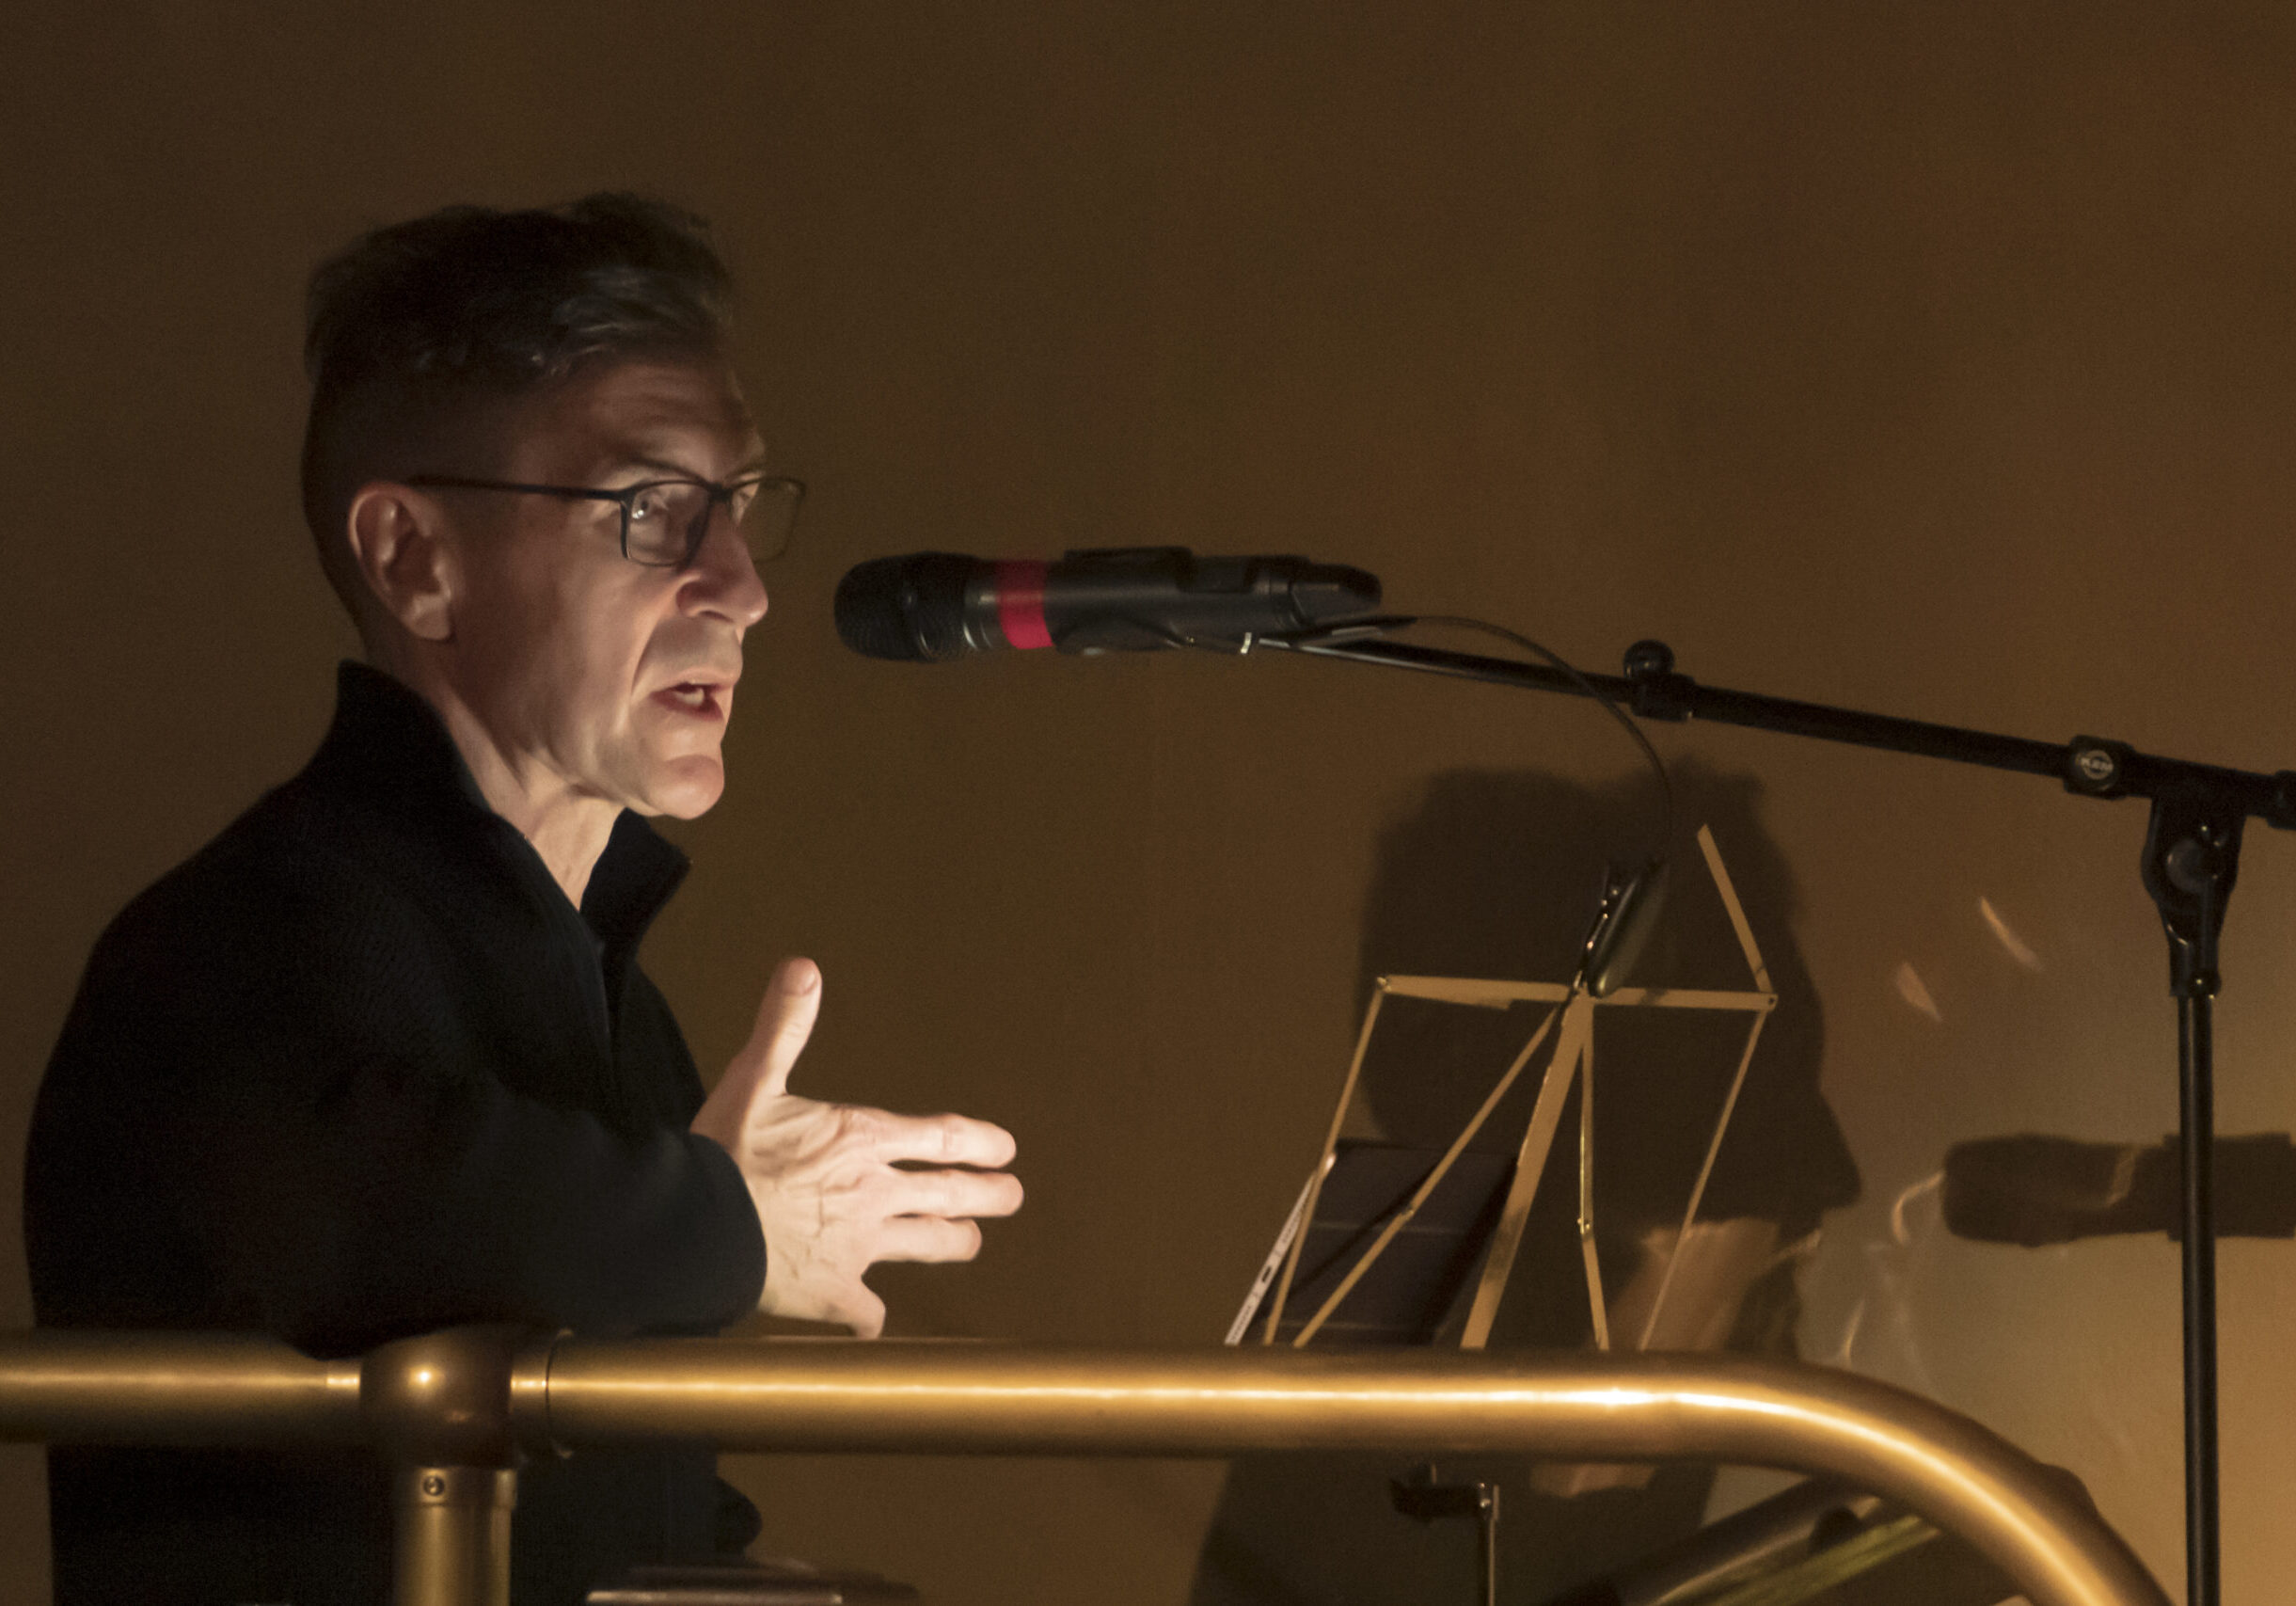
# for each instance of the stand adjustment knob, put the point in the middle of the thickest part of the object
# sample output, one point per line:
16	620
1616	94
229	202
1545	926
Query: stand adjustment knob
2284	801
1656	691
2097	768
1649	659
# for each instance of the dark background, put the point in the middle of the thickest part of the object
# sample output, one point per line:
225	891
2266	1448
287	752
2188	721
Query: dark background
1938	357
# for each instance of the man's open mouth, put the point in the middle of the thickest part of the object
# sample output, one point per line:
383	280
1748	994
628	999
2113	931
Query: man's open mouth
693	697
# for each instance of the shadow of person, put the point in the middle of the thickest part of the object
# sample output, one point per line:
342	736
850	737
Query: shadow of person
1495	874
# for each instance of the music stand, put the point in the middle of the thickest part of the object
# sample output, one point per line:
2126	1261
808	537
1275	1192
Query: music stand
1387	1239
1448	1207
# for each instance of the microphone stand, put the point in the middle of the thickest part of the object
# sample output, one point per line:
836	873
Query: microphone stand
2190	859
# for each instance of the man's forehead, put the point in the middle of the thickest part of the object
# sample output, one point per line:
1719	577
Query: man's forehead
686	414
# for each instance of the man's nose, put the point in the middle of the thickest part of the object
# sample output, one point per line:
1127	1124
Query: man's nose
722	577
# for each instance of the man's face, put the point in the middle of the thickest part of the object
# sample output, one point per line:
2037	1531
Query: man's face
611	677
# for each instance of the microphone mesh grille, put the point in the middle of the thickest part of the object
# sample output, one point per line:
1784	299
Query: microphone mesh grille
868	611
908	608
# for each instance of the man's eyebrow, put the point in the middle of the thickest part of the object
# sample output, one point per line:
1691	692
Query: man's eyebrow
753	464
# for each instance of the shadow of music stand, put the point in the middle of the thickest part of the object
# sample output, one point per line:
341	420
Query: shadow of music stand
1380	1246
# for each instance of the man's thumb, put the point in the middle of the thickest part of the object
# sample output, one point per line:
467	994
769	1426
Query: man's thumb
784	1021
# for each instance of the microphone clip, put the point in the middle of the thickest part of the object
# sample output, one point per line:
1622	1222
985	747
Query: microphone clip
1624	921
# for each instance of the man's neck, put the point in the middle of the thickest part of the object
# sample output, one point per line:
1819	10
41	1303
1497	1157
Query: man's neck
567	828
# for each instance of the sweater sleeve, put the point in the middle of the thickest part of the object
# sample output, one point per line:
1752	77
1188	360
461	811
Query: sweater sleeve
279	1121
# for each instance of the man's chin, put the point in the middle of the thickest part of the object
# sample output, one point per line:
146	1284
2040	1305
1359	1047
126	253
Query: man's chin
685	788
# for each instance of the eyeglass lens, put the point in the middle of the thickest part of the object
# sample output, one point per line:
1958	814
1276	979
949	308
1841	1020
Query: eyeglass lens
666	523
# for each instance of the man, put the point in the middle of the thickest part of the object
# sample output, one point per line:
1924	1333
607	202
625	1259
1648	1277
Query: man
379	1059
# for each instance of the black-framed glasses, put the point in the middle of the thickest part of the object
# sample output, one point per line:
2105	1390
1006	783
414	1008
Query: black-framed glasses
664	522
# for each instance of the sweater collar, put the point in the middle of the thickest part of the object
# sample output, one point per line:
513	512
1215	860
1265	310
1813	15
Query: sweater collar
387	748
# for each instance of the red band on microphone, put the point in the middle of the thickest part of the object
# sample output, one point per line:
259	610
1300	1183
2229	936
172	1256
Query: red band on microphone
1020	602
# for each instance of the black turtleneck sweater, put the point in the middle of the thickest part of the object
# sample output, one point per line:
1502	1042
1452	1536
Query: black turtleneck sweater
359	1070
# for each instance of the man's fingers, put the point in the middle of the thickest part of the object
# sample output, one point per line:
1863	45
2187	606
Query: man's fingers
862	1311
928	1238
784	1021
940	1140
952	1194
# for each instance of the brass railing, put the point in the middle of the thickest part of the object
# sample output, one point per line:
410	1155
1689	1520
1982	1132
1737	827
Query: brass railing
455	1411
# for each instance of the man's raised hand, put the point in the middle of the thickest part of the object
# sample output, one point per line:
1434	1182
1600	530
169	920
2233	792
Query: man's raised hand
830	1195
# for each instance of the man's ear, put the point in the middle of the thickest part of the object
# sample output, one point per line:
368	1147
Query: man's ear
400	542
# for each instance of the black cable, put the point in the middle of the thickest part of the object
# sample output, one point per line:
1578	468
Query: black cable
1666	781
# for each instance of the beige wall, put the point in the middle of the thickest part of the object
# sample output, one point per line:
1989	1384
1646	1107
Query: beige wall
1933	358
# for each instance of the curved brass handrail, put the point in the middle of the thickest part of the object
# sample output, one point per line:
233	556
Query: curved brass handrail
755	1394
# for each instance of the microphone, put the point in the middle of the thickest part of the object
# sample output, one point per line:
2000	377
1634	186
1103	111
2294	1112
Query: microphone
930	607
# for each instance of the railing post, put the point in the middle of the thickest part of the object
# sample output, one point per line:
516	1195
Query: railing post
439	1408
453	1528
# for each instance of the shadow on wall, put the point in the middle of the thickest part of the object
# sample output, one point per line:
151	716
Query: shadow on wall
1495	874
